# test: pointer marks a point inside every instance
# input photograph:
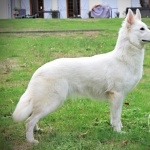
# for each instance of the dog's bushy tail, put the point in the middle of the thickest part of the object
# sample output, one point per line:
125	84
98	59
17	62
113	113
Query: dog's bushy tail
23	108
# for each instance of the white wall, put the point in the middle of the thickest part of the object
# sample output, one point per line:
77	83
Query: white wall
84	6
135	3
17	3
3	9
93	3
54	5
113	4
25	4
9	9
62	7
122	5
48	7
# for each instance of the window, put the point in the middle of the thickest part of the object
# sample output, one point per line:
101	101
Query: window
73	8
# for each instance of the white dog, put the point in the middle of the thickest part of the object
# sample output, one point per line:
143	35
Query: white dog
106	76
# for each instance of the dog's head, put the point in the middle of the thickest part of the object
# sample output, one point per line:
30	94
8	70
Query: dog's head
137	31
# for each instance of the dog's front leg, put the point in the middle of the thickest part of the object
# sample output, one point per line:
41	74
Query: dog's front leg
116	101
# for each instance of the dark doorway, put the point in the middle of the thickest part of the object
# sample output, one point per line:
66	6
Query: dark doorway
37	6
73	8
41	8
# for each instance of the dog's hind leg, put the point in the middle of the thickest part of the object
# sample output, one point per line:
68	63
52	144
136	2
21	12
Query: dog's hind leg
116	102
47	97
30	123
39	112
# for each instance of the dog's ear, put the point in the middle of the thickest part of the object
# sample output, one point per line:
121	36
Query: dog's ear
138	14
130	19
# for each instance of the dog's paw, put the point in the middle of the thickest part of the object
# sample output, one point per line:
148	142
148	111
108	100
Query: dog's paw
34	142
117	129
122	132
117	126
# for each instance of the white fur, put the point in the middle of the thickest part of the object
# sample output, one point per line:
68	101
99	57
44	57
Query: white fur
106	76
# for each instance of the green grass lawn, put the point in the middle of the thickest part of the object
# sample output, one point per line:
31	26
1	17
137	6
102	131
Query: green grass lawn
80	124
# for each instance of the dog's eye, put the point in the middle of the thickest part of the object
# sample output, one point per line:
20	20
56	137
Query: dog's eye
142	28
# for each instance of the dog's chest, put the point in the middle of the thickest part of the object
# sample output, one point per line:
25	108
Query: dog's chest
132	77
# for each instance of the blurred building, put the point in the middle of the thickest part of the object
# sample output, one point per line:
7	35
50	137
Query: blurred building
66	8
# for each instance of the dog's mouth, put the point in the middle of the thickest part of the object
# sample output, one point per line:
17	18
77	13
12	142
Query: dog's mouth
145	40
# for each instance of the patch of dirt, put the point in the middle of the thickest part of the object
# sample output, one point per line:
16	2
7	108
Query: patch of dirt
7	65
22	146
64	33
